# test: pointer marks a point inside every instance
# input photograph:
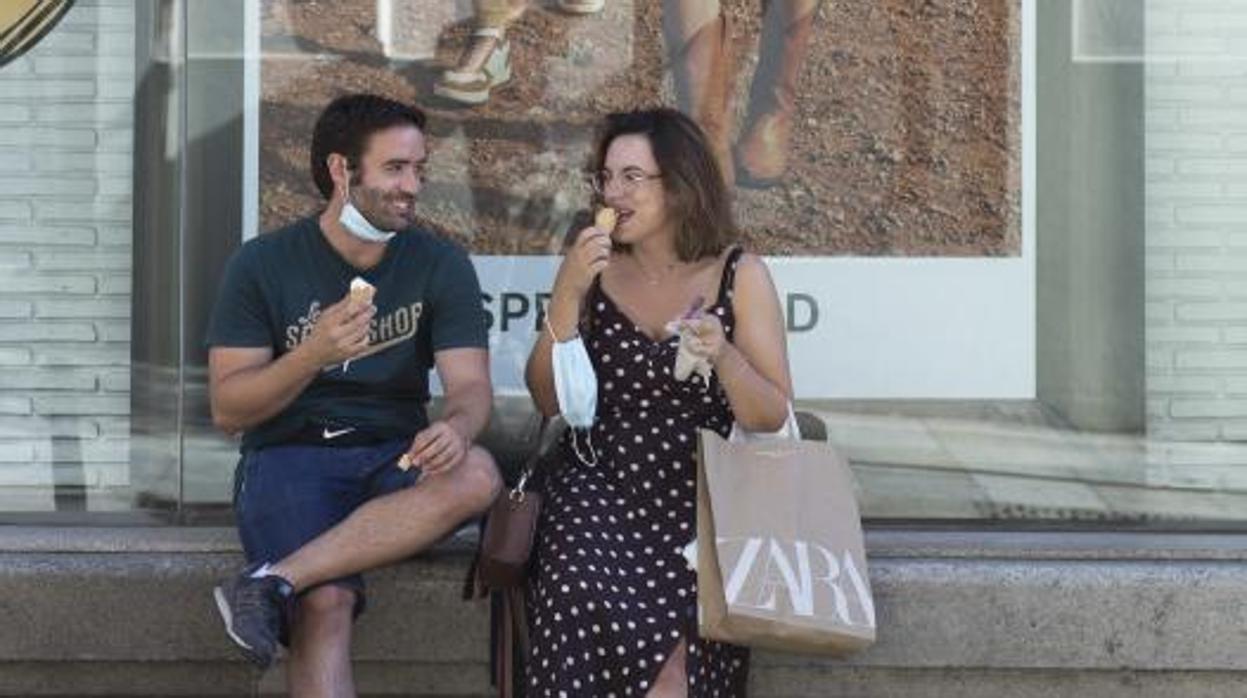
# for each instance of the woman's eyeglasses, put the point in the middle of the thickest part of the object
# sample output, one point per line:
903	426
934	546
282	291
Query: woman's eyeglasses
628	180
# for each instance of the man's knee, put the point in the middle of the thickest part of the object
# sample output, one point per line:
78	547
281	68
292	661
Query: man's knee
481	482
328	602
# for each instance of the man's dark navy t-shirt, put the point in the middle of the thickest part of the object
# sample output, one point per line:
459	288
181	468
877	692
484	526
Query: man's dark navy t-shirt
427	298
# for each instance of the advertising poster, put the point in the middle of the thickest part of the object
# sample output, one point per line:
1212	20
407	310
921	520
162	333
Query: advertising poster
878	153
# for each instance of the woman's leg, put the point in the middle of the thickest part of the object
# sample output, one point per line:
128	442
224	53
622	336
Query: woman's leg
672	680
699	44
762	154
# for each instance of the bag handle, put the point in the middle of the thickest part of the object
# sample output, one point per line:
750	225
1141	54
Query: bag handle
789	432
539	451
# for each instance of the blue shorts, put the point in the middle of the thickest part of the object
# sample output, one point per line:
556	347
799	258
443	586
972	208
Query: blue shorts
284	496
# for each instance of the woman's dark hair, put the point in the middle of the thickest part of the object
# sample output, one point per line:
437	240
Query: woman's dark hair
691	177
345	126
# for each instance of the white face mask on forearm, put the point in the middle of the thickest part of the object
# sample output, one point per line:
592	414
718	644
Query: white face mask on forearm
576	386
361	227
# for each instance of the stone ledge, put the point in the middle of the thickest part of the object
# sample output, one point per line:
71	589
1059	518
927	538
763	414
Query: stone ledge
128	612
882	542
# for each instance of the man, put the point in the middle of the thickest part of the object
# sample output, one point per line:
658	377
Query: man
329	393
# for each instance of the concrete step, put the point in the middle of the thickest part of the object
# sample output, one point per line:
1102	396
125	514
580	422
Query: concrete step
127	612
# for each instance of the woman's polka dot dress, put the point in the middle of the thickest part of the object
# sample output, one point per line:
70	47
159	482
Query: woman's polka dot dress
612	595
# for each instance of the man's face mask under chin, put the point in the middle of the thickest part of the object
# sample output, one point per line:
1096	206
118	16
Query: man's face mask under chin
359	226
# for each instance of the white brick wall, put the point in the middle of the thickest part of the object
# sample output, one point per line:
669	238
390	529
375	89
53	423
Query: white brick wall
66	118
1196	219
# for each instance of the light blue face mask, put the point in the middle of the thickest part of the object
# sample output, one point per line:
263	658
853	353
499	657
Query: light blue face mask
361	227
576	386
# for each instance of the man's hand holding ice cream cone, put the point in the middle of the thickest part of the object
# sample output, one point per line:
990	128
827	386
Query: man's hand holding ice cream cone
340	332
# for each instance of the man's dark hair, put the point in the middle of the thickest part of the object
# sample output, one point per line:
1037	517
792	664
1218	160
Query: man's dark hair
345	126
691	177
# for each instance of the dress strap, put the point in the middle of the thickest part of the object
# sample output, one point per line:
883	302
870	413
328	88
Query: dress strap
728	282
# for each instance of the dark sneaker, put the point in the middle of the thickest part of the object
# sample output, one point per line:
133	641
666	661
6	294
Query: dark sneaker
256	611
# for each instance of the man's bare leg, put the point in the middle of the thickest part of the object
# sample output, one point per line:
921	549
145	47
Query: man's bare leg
397	525
320	645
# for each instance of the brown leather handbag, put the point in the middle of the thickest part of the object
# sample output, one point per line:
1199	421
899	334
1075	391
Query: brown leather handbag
506	546
501	567
510	529
506	543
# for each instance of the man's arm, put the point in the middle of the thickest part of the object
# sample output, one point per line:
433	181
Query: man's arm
469	393
247	387
469	397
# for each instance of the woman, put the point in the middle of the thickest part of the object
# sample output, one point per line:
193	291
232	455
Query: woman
613	601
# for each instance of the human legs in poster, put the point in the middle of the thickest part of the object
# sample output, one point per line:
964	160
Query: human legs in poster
702	60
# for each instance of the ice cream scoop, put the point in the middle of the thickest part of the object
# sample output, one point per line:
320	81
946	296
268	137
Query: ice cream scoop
605	219
361	292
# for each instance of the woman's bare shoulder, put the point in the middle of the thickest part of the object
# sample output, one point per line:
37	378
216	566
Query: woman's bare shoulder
752	273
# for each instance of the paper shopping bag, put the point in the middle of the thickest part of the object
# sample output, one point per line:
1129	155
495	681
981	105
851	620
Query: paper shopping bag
788	567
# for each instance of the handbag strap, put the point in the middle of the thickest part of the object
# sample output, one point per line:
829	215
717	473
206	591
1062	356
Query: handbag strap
506	683
534	459
511	643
